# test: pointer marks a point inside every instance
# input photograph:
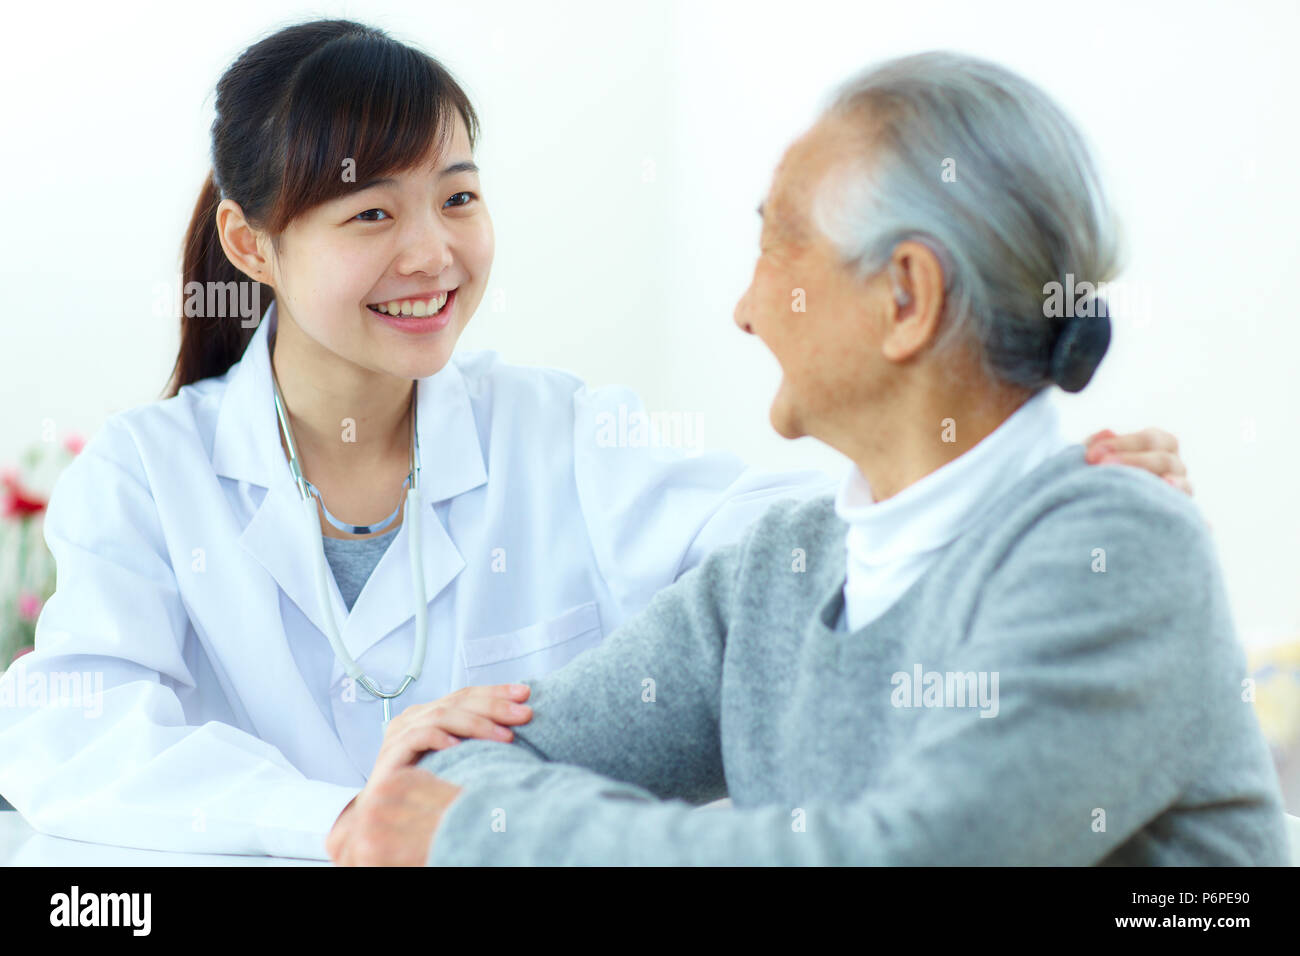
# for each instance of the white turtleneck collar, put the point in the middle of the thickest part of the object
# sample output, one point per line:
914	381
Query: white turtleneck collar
891	543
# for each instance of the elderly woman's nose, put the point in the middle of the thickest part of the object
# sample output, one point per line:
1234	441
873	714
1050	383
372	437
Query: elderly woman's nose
741	315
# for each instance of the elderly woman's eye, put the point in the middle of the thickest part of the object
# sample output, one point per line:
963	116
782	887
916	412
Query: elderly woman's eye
469	197
367	213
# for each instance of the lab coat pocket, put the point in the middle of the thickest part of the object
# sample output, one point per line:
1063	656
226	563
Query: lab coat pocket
534	650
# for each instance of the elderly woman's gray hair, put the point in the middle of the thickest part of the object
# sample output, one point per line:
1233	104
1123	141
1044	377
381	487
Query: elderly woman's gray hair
984	168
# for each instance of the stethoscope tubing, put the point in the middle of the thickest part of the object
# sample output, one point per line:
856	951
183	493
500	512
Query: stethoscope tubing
416	559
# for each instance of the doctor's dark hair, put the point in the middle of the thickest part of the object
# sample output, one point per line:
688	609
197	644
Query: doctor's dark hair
291	110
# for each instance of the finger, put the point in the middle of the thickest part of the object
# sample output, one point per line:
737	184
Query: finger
1097	436
1159	463
404	750
419	713
501	711
1181	483
498	691
463	723
1148	439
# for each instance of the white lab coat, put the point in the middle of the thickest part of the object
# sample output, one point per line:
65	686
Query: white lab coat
186	592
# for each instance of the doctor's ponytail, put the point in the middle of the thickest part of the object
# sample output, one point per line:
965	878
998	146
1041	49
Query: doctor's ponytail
292	110
209	346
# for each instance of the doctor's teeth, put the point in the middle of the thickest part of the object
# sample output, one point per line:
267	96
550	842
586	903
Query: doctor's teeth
408	307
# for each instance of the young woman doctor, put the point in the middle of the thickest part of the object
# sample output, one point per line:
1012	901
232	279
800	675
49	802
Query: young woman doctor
230	698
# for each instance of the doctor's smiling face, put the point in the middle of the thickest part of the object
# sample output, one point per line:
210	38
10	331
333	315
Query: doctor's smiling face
387	276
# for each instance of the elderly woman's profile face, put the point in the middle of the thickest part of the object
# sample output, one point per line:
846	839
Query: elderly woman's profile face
820	320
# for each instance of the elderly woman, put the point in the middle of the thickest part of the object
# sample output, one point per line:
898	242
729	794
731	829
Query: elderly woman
981	650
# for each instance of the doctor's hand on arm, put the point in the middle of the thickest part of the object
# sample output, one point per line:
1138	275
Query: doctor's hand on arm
472	712
484	712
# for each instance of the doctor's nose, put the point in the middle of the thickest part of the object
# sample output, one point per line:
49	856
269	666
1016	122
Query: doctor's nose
429	252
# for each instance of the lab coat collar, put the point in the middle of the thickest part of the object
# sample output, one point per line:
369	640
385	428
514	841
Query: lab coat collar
247	448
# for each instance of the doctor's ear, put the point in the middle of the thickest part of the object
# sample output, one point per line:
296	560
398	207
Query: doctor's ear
244	246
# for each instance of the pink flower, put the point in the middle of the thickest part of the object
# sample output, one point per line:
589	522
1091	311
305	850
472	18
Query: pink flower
74	443
25	650
29	606
18	502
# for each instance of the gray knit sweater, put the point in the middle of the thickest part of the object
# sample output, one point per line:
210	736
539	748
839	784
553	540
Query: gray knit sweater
1062	686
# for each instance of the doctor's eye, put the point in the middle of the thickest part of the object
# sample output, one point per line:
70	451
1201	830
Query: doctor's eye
470	197
367	212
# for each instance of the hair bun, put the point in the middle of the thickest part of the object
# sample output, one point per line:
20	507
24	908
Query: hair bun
1080	347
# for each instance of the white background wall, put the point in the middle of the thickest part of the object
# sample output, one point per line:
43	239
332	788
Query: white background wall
624	151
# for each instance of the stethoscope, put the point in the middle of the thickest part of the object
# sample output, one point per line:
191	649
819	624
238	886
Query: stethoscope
309	498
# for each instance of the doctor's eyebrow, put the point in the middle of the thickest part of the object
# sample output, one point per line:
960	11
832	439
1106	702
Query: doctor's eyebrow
464	166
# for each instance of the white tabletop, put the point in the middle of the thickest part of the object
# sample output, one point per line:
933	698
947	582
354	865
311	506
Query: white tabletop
20	845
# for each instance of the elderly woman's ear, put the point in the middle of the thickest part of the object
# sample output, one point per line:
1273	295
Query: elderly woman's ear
916	285
1154	449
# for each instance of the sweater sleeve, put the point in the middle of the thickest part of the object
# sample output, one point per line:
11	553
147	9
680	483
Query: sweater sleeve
1090	733
641	707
